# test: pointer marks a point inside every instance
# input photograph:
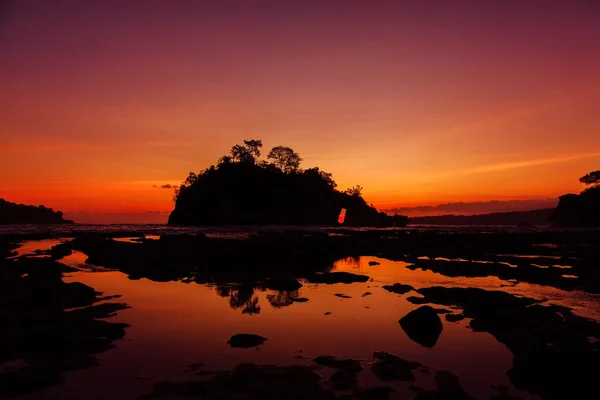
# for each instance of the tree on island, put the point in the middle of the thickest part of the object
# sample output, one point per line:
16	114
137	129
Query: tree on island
593	178
241	189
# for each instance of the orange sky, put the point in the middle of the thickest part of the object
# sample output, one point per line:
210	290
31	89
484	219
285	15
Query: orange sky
468	102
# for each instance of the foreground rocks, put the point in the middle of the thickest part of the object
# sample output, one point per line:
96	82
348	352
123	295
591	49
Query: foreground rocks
557	354
246	340
50	326
251	382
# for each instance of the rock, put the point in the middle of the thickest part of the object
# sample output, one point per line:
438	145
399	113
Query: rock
454	317
398	288
287	284
343	296
246	340
422	325
390	367
366	294
447	388
327	313
337	277
338	363
372	393
373	263
250	382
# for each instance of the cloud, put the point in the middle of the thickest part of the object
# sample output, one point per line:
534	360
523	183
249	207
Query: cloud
165	186
476	207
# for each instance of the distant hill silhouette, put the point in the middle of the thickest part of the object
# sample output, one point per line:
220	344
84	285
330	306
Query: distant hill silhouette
580	209
242	190
13	213
534	217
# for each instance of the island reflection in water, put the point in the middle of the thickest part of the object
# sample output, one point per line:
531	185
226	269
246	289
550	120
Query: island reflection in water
175	324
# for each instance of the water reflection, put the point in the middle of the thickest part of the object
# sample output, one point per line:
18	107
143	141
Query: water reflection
190	316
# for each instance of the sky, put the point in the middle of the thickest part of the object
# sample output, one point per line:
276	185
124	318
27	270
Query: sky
422	103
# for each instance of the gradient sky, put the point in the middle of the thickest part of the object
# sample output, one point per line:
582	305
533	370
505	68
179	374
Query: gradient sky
420	102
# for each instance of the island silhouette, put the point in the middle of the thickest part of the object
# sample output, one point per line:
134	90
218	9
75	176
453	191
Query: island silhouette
13	213
241	189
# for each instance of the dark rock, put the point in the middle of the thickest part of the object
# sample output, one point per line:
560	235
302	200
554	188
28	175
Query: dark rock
250	382
389	367
447	388
338	363
454	317
398	288
422	325
337	277
366	294
372	393
327	313
373	263
343	296
246	340
287	284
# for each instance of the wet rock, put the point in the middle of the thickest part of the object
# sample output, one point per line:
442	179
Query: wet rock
28	379
389	367
373	263
344	379
343	296
337	277
246	340
300	300
454	317
447	388
504	396
422	325
398	288
250	382
417	300
338	363
372	393
366	294
547	342
287	284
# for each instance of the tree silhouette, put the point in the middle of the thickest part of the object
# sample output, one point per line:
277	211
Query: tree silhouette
593	178
285	159
246	153
354	191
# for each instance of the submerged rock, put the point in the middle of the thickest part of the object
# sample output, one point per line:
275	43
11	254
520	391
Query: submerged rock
390	367
250	382
338	363
422	325
246	340
398	288
447	388
337	277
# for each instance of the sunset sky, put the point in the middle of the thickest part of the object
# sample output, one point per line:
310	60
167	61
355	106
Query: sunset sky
420	102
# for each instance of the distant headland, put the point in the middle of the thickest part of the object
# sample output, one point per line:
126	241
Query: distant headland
13	213
244	190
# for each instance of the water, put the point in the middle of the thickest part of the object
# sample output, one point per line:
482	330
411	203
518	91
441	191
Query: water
175	324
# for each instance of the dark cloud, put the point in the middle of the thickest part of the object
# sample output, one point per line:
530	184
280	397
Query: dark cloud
477	207
166	186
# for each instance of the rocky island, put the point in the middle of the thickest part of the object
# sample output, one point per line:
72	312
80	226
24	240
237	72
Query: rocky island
13	213
244	190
